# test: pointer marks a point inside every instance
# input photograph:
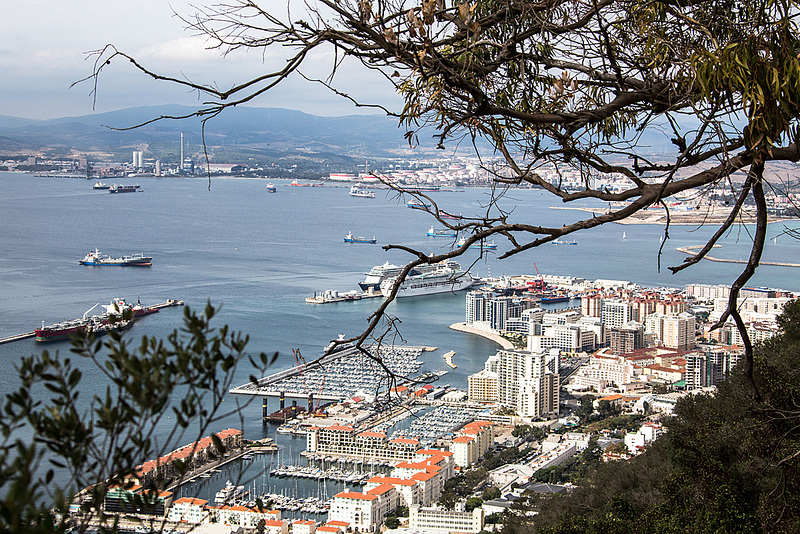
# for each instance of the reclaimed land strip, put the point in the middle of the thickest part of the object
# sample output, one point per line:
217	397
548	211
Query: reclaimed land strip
676	217
689	250
464	327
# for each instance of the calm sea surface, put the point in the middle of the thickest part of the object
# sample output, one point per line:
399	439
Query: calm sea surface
258	255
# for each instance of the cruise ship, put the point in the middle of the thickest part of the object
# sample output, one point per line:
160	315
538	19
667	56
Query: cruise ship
443	280
379	273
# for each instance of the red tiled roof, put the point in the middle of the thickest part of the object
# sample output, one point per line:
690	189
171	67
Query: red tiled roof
192	500
340	428
354	495
437	452
380	490
410	441
372	434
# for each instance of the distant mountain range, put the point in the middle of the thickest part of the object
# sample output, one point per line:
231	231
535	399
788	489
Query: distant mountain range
269	129
264	131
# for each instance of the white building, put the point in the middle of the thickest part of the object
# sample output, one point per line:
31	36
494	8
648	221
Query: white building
617	313
306	526
472	442
188	510
637	441
436	520
673	331
482	386
529	382
364	511
569	338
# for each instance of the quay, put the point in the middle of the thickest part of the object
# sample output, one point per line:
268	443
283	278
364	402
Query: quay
341	296
235	455
26	335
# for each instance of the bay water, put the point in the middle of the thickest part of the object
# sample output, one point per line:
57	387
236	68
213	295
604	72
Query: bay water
258	255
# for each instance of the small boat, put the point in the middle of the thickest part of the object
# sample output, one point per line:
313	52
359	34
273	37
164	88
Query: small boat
271	188
361	192
124	188
481	245
100	185
417	204
432	232
350	238
445	215
565	242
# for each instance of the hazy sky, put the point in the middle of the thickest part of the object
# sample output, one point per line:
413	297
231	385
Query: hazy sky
43	46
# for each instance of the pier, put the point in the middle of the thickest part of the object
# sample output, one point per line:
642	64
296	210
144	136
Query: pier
169	303
9	339
341	296
337	376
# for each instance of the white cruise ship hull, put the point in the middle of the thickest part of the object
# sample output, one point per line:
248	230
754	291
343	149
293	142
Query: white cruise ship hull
415	286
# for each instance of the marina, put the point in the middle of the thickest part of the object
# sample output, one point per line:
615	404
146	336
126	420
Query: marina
440	422
340	375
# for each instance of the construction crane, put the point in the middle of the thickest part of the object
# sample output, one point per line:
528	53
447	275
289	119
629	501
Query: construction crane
537	285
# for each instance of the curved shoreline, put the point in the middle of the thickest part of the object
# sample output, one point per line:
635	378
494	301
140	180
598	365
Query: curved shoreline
464	327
